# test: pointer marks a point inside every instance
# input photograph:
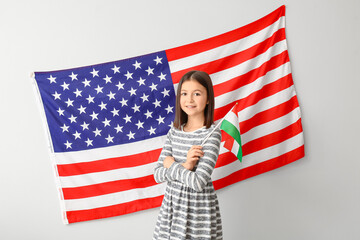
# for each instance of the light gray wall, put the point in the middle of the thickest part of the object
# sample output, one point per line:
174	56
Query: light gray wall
316	197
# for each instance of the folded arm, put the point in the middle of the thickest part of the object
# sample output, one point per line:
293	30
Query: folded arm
200	177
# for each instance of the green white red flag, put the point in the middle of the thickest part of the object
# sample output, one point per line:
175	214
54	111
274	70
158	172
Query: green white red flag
230	125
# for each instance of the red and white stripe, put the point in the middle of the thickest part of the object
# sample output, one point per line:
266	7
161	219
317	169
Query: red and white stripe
110	181
250	65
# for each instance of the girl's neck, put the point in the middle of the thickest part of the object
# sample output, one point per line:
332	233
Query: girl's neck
194	123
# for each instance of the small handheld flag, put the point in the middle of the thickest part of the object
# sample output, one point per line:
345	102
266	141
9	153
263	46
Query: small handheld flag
230	124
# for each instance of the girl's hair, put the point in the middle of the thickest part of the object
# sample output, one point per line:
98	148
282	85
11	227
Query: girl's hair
204	79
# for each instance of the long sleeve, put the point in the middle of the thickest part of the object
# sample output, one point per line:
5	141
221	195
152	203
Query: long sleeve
161	173
200	177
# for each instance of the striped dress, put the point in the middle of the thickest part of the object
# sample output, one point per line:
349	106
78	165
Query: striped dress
190	209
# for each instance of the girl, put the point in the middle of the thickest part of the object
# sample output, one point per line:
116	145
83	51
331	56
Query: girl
190	209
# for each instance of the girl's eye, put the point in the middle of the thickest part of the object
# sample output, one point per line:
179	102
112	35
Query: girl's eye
183	94
197	94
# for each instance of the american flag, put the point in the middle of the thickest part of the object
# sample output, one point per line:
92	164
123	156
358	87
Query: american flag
106	123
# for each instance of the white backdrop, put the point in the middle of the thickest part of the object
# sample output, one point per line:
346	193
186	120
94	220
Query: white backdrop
317	197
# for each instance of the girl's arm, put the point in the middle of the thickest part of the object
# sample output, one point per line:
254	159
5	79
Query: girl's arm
161	173
199	178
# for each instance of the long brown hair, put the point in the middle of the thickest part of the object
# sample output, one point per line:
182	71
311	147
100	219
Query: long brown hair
204	79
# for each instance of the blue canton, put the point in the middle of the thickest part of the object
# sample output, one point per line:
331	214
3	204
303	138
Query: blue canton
108	104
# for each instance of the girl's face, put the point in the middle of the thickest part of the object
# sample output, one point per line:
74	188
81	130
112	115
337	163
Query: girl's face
193	98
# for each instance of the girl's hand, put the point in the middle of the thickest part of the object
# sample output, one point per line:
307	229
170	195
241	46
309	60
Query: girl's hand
168	161
193	156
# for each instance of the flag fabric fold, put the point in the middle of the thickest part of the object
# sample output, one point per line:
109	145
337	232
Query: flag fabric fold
106	123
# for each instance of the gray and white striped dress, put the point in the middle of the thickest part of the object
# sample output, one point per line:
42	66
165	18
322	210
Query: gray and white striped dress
190	209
